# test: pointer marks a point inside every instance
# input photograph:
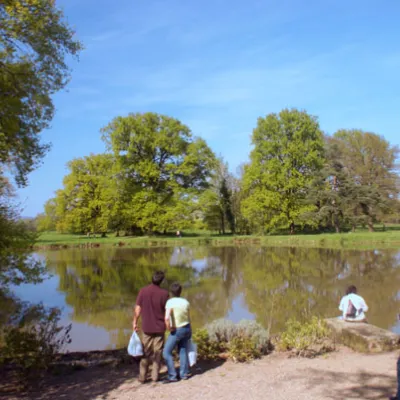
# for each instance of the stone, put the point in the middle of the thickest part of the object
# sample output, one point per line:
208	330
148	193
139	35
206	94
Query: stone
363	337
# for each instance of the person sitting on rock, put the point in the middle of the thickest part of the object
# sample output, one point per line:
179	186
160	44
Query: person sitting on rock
353	306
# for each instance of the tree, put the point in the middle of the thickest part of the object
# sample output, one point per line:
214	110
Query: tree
370	162
47	221
164	169
34	44
35	40
217	200
90	197
288	151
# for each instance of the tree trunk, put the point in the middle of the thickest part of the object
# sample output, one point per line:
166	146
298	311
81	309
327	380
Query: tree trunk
222	223
336	223
370	225
292	228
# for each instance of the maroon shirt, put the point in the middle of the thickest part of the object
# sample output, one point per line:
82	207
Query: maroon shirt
151	300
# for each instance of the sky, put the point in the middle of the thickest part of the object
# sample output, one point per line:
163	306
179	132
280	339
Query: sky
218	66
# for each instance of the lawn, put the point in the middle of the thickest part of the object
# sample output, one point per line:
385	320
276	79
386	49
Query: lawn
361	239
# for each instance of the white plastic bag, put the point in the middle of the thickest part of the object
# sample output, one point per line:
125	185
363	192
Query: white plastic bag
192	352
135	347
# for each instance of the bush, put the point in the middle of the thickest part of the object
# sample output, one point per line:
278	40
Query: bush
242	342
306	339
207	349
33	338
221	330
243	349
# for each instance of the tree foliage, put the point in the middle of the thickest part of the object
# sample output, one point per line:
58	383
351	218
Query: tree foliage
217	201
35	41
288	151
149	181
156	178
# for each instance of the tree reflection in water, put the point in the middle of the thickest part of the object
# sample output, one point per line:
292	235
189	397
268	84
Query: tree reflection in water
101	285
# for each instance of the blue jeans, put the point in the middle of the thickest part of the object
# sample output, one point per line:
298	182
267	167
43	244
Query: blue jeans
179	338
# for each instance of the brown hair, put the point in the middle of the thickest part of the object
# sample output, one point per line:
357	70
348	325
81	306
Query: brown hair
176	289
351	289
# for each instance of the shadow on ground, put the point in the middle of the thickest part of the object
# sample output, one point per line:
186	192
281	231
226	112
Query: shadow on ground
357	385
90	383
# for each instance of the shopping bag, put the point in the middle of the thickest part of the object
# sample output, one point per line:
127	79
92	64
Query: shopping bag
135	347
192	353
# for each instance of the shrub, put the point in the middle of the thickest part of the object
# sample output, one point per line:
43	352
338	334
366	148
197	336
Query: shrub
207	349
33	338
243	349
242	342
305	339
257	333
221	330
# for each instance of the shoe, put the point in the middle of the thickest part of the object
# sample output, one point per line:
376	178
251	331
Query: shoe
142	381
186	377
170	381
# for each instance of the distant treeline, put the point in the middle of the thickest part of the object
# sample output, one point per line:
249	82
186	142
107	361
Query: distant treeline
156	177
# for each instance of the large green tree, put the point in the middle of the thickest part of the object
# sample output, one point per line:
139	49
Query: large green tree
90	199
35	42
288	151
163	167
369	161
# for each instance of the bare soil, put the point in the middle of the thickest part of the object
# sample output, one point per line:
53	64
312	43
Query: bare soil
339	375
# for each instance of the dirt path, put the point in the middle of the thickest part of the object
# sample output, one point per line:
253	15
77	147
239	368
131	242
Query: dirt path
342	375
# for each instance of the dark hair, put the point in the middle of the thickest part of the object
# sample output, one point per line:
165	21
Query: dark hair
351	289
158	277
176	289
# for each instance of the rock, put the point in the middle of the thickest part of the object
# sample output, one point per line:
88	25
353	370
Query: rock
363	337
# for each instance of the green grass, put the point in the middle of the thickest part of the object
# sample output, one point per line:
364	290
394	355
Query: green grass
361	239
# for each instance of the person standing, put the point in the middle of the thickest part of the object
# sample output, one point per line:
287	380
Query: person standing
150	305
177	320
397	397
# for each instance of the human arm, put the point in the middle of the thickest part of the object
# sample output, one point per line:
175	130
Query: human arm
341	305
168	315
363	305
136	317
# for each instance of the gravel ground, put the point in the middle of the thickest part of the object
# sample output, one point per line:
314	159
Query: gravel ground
340	375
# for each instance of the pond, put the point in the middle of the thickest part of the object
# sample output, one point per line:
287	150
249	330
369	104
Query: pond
97	288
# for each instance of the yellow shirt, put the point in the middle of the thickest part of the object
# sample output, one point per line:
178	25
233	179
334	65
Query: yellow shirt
178	309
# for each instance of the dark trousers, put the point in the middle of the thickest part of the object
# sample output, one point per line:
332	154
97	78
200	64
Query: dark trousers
398	379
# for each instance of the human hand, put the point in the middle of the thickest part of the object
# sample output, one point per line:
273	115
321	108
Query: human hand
135	327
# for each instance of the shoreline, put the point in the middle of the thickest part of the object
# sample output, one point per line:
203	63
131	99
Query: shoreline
356	241
343	374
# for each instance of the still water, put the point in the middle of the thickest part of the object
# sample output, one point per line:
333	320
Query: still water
97	287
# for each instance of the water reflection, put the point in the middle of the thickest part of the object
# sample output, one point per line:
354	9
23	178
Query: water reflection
270	284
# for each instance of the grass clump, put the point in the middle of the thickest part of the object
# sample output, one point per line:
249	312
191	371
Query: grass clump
307	339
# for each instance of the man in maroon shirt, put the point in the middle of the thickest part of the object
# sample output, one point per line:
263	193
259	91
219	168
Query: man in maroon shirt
150	305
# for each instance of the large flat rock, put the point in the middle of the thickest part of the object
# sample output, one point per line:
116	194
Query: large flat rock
363	337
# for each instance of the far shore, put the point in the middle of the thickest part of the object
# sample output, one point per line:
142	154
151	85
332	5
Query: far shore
362	240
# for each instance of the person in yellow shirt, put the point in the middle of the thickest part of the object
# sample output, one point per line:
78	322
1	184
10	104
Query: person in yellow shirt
177	320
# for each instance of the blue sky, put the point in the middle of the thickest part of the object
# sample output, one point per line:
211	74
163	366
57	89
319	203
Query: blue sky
219	65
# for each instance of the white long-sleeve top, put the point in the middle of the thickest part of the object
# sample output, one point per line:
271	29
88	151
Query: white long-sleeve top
358	302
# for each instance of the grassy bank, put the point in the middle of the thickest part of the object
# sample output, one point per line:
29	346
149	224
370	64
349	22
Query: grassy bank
390	238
